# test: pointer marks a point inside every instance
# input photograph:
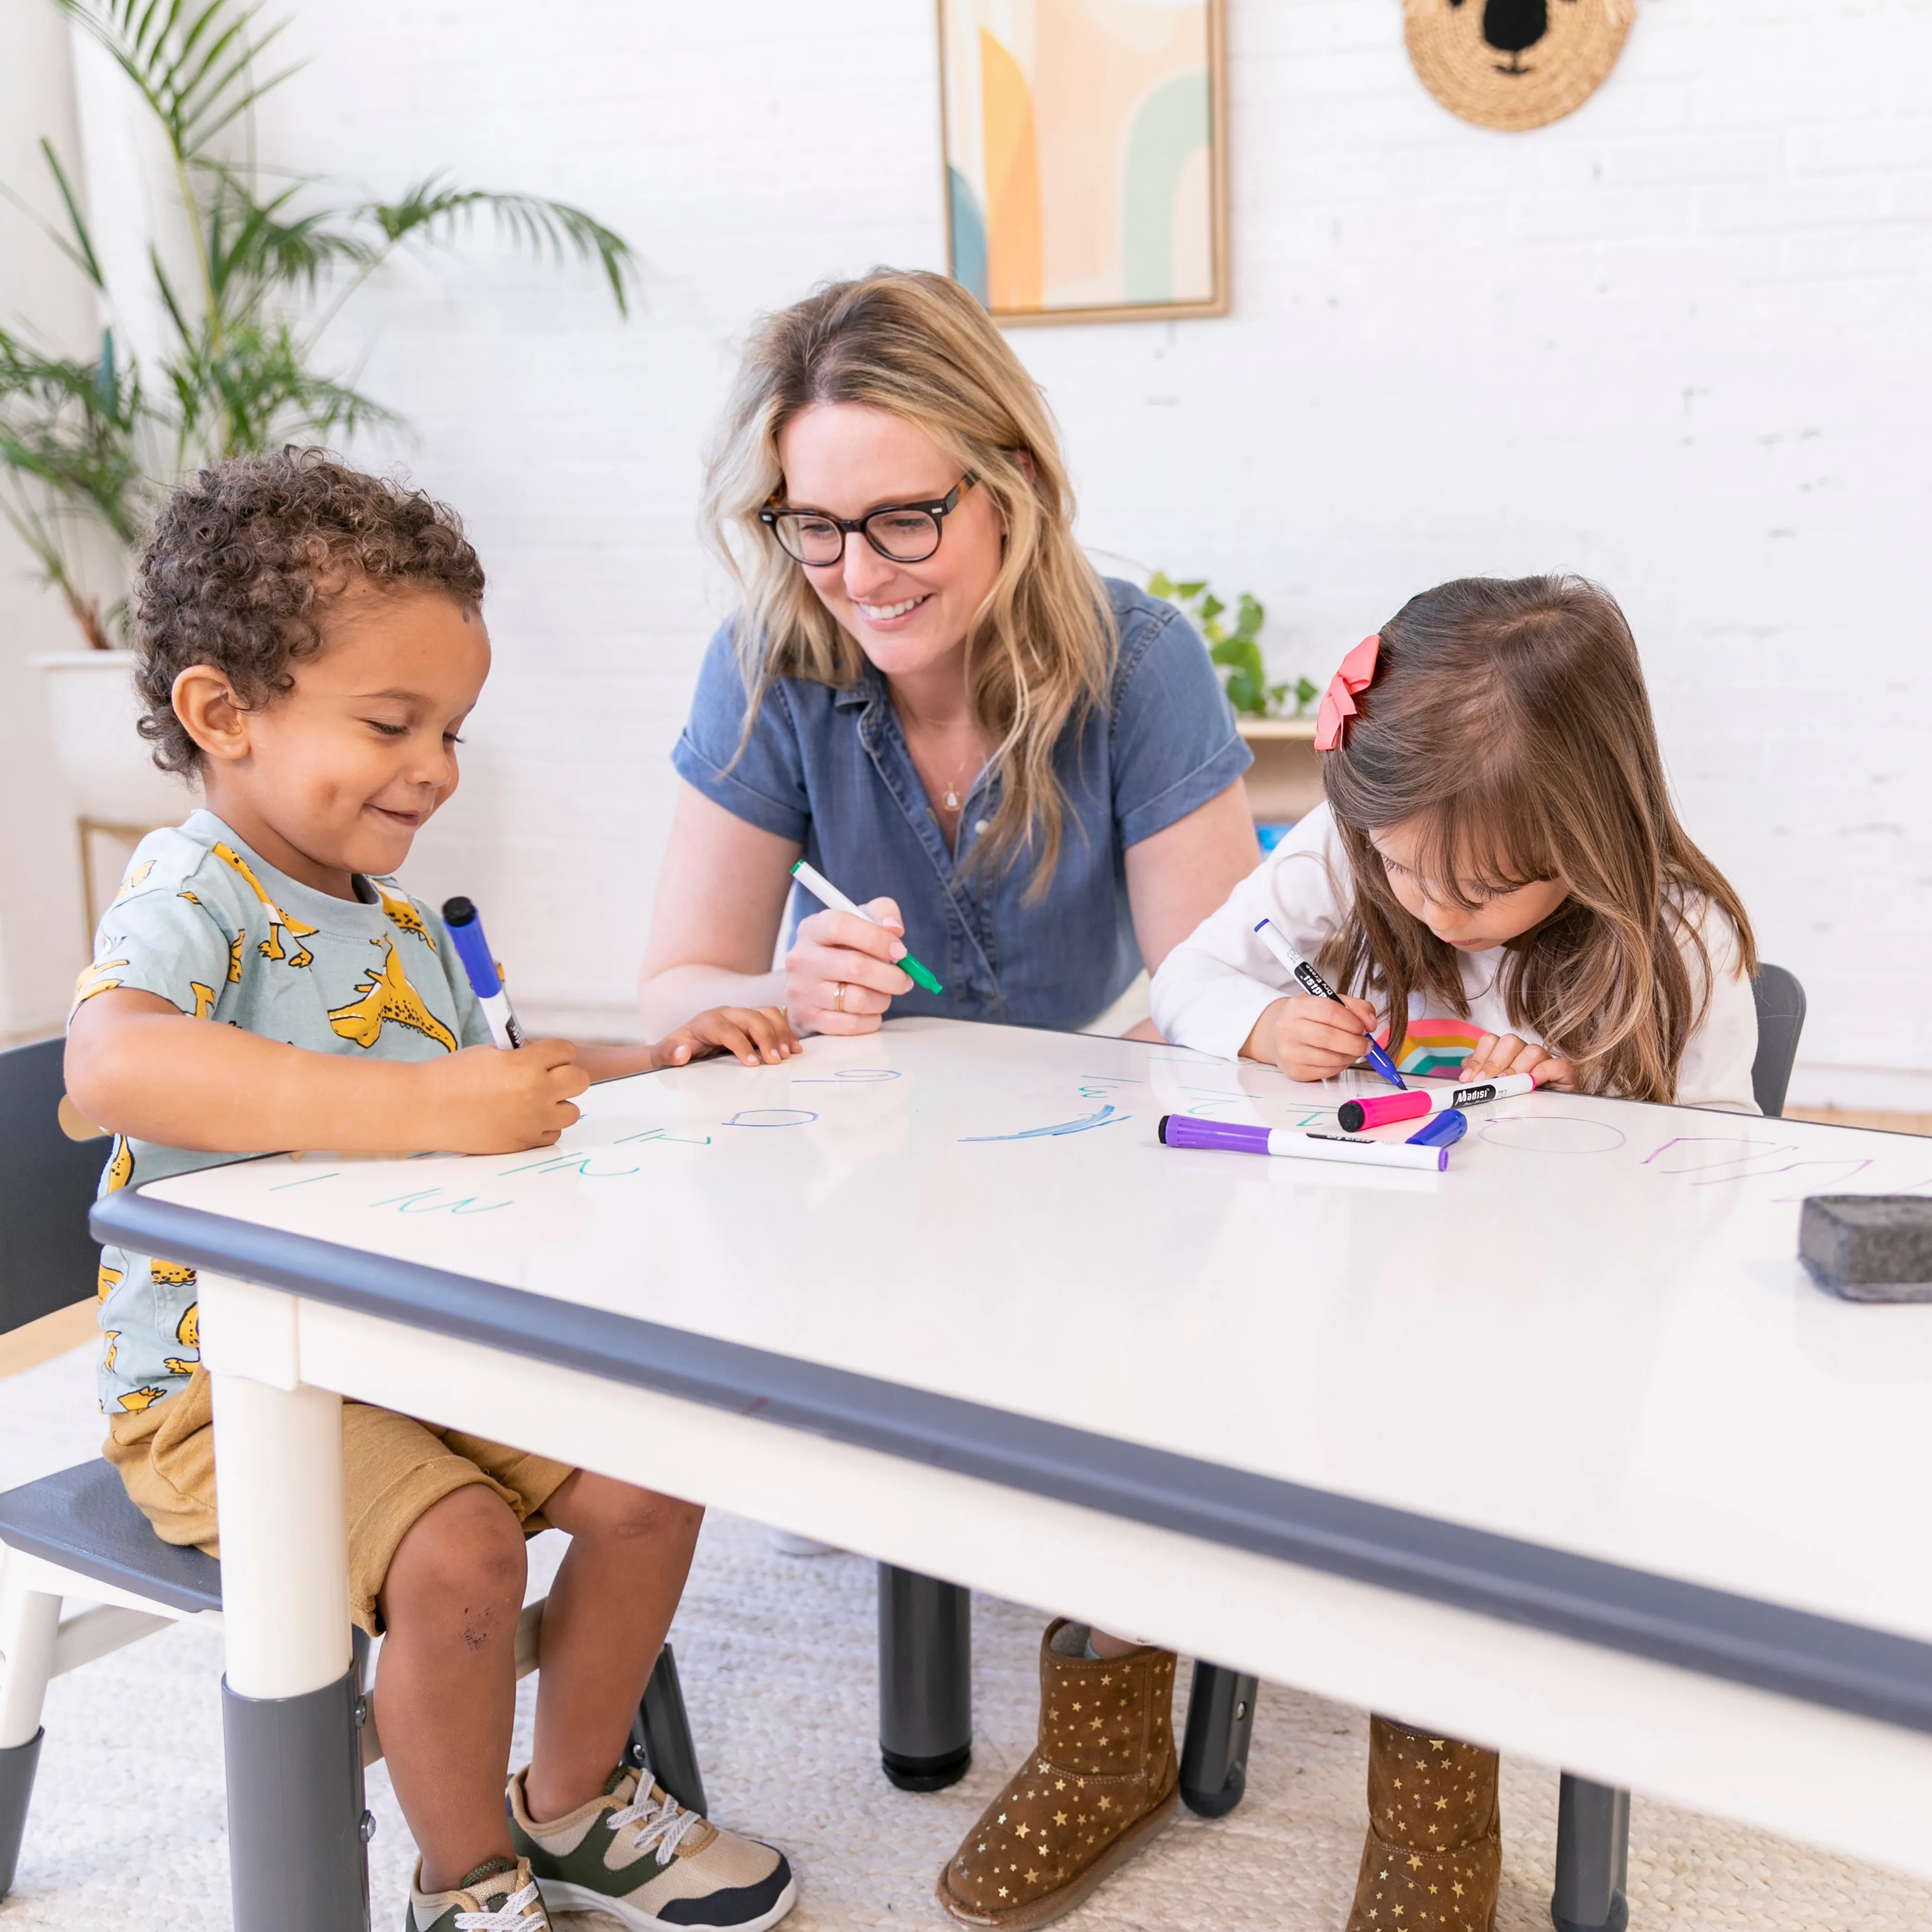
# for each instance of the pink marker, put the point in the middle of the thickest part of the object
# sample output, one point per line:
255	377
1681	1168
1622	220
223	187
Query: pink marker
1378	1109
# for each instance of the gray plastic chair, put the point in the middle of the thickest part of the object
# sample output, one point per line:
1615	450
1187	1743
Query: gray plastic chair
1593	1820
75	1533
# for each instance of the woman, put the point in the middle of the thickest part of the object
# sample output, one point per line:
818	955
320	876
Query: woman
927	691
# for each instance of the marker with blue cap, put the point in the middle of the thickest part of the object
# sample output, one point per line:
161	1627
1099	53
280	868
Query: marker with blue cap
466	935
1443	1130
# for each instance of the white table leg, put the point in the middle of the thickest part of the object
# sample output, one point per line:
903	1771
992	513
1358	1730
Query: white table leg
290	1703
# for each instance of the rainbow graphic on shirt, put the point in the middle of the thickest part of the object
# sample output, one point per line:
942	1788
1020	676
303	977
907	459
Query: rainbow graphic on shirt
1437	1046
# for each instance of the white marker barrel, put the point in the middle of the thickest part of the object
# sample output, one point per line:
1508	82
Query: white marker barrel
1238	1137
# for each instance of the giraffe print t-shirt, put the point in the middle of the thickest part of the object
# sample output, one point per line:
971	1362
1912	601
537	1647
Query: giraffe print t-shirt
203	922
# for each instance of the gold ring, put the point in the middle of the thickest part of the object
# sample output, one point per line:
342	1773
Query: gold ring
839	996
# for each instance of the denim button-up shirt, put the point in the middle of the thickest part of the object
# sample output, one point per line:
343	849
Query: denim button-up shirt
829	769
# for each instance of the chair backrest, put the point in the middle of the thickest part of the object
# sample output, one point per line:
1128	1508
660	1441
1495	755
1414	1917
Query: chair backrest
48	1260
1780	1019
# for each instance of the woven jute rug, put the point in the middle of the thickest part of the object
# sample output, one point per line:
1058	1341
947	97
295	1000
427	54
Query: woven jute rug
1513	64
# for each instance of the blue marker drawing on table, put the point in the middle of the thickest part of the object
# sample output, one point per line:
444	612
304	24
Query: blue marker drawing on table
1106	1118
424	1202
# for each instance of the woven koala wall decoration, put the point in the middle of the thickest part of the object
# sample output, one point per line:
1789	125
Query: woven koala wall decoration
1514	64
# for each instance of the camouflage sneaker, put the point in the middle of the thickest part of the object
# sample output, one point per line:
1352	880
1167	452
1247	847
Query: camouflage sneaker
499	1896
640	1856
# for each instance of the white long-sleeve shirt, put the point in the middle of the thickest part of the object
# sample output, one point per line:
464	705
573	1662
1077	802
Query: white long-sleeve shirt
1214	985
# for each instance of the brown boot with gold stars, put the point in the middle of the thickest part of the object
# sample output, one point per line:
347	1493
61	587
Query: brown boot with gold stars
1100	1785
1434	1858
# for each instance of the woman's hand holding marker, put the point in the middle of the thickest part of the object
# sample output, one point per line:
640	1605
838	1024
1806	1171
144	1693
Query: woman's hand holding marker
843	970
846	965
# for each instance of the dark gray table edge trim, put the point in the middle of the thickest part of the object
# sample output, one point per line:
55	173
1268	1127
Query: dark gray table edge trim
1820	1659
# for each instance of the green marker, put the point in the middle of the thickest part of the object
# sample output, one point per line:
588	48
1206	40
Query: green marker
822	889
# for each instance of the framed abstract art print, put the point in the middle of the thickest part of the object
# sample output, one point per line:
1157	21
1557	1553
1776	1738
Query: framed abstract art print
1086	157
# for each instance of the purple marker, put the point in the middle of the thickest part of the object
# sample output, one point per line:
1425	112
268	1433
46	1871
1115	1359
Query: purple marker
1185	1130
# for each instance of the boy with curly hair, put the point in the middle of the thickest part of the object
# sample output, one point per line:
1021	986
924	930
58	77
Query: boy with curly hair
311	639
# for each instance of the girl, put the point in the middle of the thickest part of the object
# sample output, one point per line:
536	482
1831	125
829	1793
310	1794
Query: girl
1498	875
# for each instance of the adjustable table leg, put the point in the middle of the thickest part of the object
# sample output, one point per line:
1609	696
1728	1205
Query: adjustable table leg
1214	1754
925	1680
291	1702
1592	1857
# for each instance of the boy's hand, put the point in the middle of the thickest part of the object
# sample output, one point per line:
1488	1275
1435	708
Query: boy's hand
1498	1054
1310	1039
755	1033
485	1100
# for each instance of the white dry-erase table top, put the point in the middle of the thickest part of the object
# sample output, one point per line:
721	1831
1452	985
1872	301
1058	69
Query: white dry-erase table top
1560	1449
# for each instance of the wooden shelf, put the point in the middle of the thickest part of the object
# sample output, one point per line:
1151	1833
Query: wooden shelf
1285	780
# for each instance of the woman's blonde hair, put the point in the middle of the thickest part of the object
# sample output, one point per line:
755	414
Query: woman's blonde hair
1040	651
1508	724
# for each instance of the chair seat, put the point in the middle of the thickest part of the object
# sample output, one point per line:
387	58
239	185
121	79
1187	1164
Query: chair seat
82	1519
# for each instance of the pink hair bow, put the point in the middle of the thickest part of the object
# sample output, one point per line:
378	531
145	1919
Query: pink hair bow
1357	673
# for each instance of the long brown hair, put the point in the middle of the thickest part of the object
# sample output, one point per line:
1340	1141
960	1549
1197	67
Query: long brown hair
1040	650
1508	724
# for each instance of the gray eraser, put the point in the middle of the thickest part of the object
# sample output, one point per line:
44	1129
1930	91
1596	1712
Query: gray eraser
1869	1247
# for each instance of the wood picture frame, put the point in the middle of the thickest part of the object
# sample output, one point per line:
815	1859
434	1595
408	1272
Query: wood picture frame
1084	158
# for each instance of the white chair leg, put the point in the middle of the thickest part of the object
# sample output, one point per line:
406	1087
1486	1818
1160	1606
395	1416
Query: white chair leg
29	1625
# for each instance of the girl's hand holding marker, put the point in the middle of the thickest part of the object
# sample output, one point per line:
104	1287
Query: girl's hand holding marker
1314	1038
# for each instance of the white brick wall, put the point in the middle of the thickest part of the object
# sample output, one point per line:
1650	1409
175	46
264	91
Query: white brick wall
1676	341
40	919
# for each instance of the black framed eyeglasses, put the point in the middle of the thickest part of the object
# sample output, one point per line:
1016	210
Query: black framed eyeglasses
900	532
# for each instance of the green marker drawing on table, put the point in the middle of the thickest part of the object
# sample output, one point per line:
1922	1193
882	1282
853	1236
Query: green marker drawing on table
822	889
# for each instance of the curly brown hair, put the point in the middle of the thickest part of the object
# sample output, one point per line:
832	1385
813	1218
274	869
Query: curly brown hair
245	561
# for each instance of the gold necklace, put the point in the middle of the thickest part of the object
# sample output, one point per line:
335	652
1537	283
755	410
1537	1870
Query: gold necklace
952	801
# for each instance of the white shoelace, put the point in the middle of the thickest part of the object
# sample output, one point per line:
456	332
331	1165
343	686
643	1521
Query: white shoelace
508	1917
661	1826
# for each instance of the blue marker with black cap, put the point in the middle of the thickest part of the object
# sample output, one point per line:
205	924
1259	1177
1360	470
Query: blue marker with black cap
466	935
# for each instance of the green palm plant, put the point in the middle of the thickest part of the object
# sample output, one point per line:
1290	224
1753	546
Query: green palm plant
85	446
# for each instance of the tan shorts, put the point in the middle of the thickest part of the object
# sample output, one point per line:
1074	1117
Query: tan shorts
394	1468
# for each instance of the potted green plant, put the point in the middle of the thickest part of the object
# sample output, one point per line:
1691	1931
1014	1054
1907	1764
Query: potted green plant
86	445
1236	652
